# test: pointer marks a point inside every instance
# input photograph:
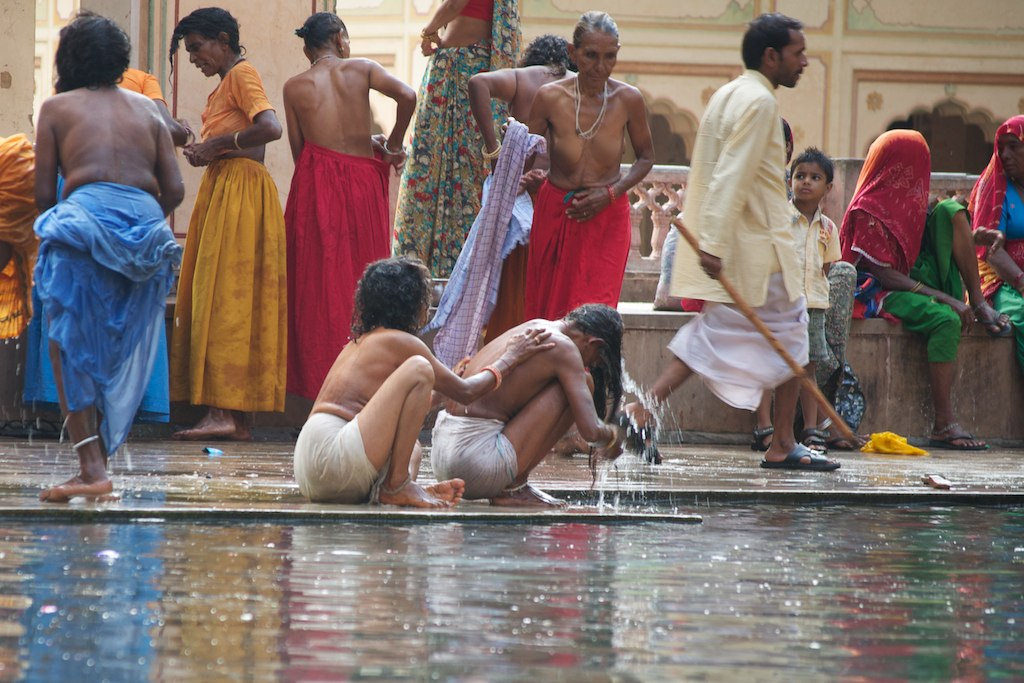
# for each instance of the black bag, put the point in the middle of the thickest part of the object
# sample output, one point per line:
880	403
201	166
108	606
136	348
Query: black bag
845	393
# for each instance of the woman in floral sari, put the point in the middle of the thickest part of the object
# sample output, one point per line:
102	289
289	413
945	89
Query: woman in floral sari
439	197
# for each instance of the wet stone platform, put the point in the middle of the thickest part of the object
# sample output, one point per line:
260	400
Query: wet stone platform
167	480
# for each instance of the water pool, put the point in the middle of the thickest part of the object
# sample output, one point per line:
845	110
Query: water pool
752	593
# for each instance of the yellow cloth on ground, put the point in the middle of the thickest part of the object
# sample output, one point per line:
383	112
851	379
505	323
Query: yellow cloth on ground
890	443
17	215
228	348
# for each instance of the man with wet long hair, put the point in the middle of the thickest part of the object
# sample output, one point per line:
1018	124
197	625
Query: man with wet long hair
360	444
494	444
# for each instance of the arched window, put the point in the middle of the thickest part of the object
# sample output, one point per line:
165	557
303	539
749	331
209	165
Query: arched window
960	141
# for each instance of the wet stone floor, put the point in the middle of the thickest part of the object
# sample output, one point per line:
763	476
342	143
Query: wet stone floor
865	573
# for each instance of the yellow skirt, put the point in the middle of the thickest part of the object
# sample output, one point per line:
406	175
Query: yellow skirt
14	301
228	348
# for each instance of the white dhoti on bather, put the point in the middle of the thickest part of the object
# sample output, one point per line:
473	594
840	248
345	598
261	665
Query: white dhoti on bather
735	360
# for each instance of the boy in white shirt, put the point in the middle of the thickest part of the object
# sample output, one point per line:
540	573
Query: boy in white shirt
811	179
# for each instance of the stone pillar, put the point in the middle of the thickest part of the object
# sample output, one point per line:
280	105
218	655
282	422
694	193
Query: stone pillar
125	13
843	185
17	70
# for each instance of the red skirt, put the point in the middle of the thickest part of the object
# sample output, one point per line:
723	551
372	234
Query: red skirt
337	223
571	262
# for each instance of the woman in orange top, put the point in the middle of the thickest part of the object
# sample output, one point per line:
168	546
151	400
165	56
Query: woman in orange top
228	350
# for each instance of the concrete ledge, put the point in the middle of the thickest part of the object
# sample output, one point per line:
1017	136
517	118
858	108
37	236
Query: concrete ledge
694	497
107	514
891	363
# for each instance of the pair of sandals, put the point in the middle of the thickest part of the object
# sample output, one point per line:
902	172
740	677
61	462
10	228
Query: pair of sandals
813	438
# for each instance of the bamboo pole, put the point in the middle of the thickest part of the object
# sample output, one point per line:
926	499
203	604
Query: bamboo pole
798	371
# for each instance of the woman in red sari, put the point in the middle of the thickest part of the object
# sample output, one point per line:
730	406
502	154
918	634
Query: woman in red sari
910	265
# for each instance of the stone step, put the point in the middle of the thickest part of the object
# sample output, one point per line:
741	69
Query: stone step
639	286
891	364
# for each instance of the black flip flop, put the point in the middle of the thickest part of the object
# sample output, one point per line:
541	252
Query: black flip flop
815	440
951	435
758	443
794	461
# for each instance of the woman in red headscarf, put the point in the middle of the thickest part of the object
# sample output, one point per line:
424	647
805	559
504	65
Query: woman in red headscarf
910	265
997	203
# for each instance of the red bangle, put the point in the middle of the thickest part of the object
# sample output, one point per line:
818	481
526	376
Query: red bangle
497	375
611	193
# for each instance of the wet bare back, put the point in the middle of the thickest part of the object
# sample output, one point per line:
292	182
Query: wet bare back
529	80
331	105
104	135
575	162
561	364
361	368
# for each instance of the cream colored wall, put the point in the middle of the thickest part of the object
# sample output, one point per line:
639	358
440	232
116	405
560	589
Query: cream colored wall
266	33
17	55
916	54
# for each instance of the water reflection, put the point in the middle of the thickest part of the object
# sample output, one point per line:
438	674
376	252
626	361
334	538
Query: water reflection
754	592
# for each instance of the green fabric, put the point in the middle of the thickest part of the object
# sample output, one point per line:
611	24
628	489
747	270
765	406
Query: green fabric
936	269
1009	301
923	315
935	266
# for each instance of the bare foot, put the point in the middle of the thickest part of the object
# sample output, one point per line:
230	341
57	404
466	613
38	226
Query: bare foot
75	487
415	496
527	497
218	424
449	491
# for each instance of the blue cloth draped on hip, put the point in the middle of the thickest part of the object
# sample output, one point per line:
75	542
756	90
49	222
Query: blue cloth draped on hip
106	264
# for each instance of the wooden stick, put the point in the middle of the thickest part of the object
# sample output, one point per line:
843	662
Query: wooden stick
749	313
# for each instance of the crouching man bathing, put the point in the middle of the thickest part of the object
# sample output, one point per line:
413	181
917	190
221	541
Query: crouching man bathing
495	442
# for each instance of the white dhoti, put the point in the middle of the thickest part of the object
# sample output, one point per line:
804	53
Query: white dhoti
735	361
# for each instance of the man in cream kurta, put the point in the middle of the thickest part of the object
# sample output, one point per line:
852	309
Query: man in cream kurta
736	204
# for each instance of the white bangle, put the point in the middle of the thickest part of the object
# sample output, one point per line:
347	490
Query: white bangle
388	151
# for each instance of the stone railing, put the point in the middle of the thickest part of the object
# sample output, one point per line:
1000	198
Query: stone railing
652	205
659	198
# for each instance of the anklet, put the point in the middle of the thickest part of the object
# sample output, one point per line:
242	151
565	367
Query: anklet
86	441
513	489
391	492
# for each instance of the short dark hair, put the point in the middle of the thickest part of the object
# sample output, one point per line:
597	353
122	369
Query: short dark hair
594	21
208	22
392	293
813	155
767	31
548	50
93	52
787	135
320	29
605	323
